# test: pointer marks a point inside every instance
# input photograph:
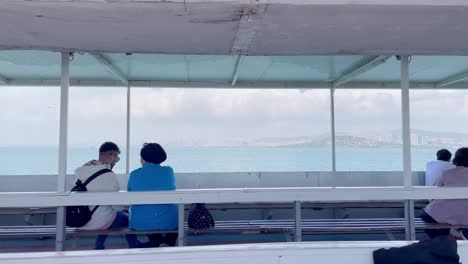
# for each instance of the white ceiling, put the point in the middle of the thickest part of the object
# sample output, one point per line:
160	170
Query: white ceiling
219	27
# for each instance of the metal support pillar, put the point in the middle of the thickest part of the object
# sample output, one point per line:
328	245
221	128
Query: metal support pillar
410	230
60	236
63	140
181	230
127	153
332	121
297	222
406	132
406	136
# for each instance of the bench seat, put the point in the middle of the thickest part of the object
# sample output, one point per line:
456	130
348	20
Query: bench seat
309	226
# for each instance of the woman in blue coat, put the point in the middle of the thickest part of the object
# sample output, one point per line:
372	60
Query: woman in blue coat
154	177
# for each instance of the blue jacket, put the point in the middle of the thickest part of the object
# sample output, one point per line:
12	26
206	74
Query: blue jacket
153	177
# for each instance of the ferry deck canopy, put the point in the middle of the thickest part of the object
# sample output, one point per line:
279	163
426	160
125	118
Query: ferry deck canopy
236	43
240	44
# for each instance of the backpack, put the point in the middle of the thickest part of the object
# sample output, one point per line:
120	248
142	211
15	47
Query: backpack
199	217
437	250
79	215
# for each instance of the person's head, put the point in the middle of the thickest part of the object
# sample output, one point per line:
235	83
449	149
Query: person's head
109	153
152	153
461	157
444	155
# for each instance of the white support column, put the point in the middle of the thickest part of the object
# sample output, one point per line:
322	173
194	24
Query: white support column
332	122
406	132
127	153
63	141
406	136
181	230
297	222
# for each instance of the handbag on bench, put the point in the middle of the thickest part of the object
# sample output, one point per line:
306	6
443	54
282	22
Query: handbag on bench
199	217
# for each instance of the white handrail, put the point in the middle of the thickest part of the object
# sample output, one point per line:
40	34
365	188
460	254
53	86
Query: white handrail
232	195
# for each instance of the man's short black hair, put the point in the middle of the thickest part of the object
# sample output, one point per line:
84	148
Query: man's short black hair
444	155
109	146
153	153
461	157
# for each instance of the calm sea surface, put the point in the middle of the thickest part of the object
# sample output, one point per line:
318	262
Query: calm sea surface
21	160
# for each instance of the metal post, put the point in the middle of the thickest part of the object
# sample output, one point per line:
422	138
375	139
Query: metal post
406	133
181	230
332	121
63	139
60	237
127	154
410	229
297	222
406	136
407	222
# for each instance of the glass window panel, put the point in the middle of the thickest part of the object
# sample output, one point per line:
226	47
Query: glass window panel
368	130
233	130
97	114
437	121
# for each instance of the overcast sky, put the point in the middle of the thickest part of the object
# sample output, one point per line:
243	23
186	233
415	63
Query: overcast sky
30	115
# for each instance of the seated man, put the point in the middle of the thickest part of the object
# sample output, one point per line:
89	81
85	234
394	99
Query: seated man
154	177
105	216
435	168
451	211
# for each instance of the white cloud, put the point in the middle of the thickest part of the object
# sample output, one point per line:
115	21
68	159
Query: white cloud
358	111
156	102
30	115
28	104
97	103
440	110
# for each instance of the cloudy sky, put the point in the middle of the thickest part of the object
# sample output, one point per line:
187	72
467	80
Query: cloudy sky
30	115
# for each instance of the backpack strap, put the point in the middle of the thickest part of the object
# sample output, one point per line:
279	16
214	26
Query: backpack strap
94	209
92	177
95	175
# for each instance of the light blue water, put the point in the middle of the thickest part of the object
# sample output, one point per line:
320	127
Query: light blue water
16	161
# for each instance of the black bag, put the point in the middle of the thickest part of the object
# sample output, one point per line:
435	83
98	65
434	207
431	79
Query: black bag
199	217
79	215
437	250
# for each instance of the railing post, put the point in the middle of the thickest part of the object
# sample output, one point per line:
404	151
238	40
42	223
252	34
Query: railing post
181	230
297	222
